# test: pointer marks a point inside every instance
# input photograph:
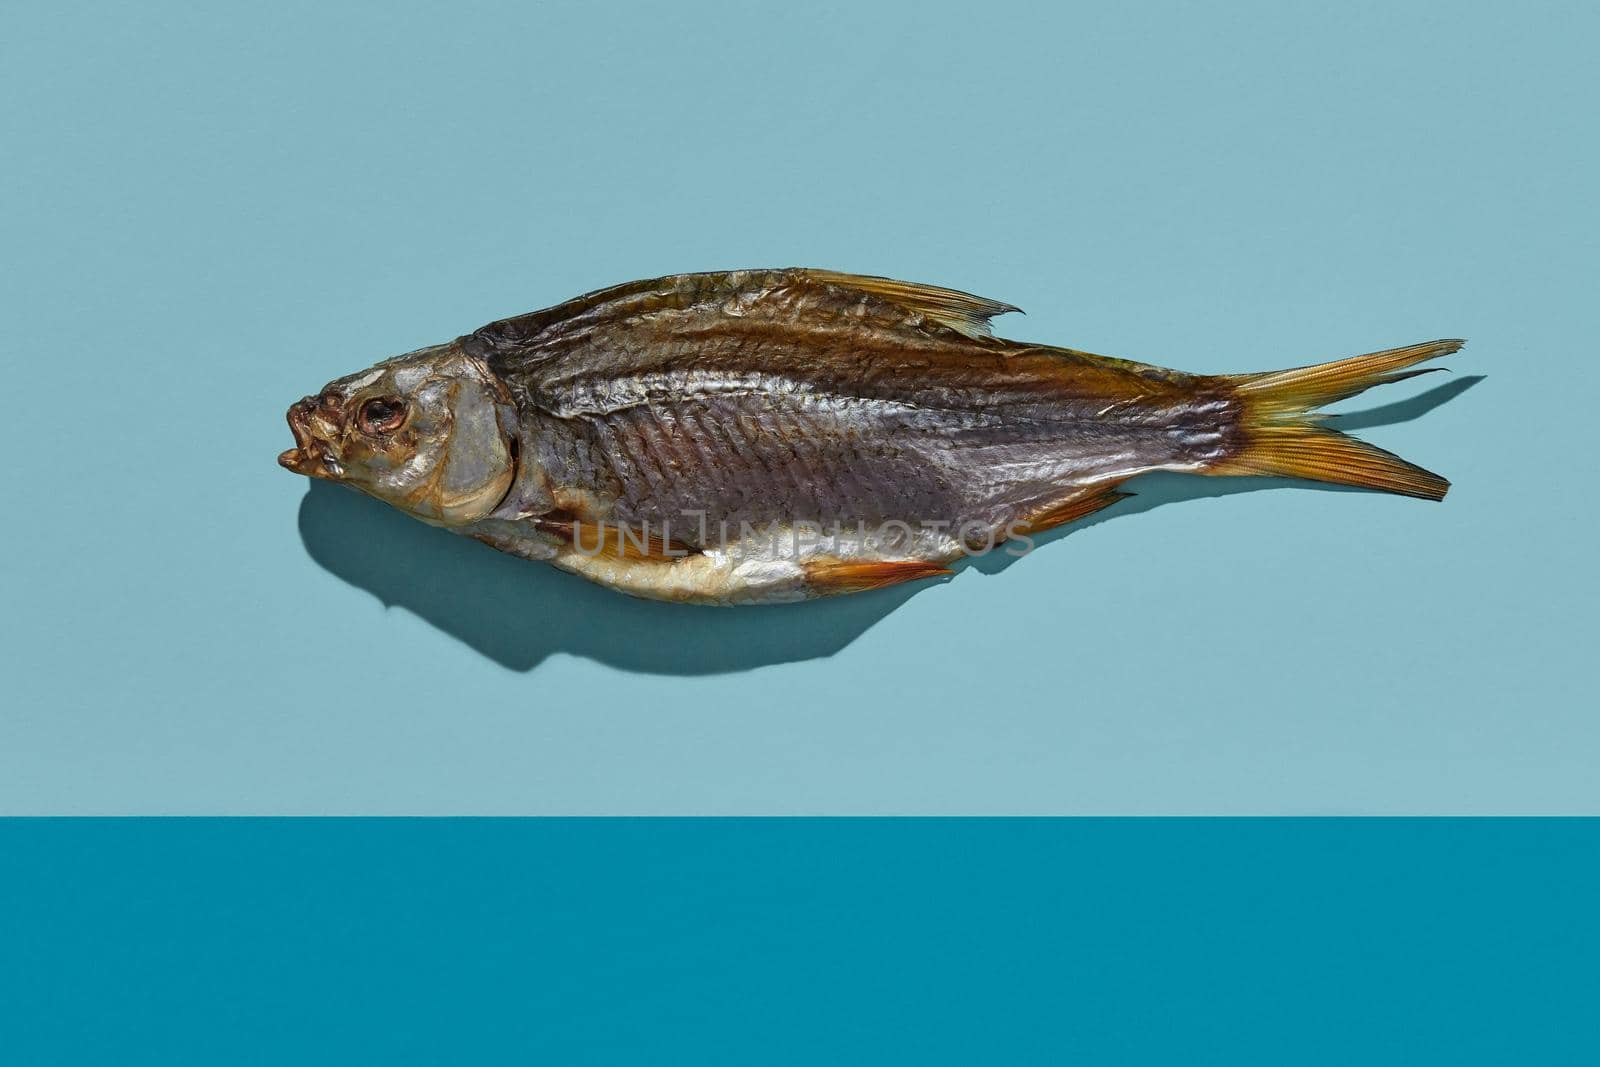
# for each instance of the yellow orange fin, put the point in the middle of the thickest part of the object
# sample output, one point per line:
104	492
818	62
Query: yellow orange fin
1071	510
829	576
617	542
1298	390
1280	436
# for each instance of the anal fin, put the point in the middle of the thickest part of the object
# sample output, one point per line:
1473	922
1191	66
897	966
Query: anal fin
829	576
1071	510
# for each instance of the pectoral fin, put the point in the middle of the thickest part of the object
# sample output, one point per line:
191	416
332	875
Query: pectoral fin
615	542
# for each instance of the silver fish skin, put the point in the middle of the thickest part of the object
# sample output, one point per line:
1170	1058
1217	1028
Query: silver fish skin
773	435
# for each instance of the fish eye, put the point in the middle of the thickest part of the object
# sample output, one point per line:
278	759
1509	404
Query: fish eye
382	414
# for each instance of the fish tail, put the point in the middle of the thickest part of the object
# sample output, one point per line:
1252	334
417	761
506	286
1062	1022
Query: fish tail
1280	436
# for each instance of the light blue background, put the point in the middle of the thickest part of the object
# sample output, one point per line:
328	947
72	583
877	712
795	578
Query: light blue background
208	214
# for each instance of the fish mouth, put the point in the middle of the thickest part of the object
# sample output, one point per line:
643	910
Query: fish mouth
310	455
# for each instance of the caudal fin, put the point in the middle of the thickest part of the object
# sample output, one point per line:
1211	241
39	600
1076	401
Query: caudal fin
1280	436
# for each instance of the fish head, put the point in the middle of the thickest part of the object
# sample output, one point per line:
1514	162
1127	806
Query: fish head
432	432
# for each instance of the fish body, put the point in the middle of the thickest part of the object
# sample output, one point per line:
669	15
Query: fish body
773	435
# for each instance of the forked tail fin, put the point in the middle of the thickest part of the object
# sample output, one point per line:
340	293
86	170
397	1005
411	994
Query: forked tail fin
1280	435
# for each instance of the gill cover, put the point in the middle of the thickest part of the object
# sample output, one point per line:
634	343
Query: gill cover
451	458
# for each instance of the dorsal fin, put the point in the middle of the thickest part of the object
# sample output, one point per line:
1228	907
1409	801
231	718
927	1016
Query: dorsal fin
962	312
520	338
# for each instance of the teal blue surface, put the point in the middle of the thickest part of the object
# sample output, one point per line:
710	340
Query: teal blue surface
207	211
806	942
